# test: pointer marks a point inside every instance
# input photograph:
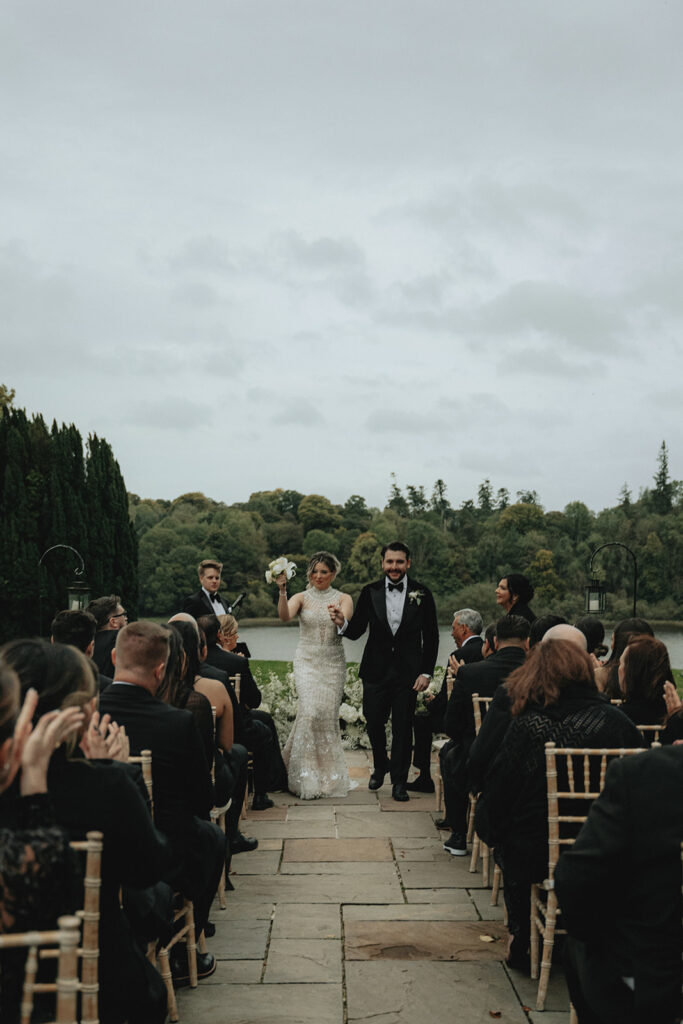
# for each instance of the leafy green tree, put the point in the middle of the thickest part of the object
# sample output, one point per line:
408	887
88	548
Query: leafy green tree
6	398
662	493
318	513
355	514
396	500
485	497
364	561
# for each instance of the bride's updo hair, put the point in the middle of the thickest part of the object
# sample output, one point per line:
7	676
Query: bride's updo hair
329	560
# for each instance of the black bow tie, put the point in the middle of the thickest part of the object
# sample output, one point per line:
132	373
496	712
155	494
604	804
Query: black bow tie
215	598
396	586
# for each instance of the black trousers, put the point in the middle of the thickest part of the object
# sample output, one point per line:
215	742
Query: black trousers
456	793
257	738
395	698
277	775
424	727
236	760
598	994
201	871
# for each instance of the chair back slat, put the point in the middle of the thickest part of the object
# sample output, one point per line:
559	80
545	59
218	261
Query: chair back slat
65	937
650	733
236	681
144	758
480	706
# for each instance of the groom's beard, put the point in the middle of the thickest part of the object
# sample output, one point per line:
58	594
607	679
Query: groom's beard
396	579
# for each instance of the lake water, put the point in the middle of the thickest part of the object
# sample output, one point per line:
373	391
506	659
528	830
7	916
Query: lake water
278	643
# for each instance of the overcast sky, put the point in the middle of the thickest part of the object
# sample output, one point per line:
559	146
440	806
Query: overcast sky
304	244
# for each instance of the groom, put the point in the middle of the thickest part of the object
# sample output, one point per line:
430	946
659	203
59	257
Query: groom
398	660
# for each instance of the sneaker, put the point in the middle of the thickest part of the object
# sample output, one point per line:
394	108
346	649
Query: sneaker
456	844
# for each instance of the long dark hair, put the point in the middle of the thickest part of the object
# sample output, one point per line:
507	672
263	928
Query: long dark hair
646	669
550	667
173	689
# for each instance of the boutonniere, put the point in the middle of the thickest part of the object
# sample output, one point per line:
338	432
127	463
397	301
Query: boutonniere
416	596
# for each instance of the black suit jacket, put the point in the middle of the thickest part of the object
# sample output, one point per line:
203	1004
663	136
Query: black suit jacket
101	655
470	652
198	604
407	654
619	885
234	664
483	677
180	773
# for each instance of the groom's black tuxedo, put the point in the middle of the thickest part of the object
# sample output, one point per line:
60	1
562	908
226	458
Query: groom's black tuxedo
390	665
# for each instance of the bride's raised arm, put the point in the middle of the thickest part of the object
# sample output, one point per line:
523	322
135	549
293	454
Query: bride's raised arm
287	608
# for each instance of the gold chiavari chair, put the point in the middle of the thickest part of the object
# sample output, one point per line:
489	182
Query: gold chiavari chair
39	943
437	744
582	773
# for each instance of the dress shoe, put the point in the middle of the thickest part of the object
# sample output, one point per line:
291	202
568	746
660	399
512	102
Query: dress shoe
420	785
206	965
442	823
261	802
377	779
242	844
209	930
398	791
456	844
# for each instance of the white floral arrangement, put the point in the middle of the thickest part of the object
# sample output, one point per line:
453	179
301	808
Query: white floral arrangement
279	566
422	706
416	596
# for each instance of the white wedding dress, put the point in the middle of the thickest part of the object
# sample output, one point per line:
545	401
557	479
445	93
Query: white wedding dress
313	753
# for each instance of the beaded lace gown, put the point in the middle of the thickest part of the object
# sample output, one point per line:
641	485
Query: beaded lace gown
313	753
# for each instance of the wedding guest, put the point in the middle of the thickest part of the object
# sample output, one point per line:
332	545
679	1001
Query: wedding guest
607	674
540	626
594	632
183	794
619	890
207	600
644	668
38	872
513	594
110	616
553	697
228	636
493	729
100	795
466	631
77	627
511	645
254	729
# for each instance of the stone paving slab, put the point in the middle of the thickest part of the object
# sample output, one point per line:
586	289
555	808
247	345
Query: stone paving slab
303	960
318	889
417	802
557	998
237	1004
235	972
360	771
482	901
405	992
246	940
257	862
407	848
457	911
378	870
400	823
362	795
269	844
292	829
310	812
424	940
307	921
270	814
240	909
436	896
441	874
337	850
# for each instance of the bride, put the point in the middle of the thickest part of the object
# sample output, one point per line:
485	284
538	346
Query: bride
313	753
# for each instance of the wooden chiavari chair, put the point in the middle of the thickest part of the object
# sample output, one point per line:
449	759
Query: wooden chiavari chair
236	681
480	706
160	956
218	815
582	772
38	944
437	744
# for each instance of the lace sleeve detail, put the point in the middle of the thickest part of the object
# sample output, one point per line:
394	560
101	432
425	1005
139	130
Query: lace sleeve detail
37	877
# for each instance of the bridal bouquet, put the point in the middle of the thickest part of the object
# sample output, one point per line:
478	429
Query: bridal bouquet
422	705
279	566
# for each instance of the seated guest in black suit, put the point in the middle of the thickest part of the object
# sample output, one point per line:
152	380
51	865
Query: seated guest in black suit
207	600
229	638
484	677
110	616
100	795
254	729
553	698
619	889
183	794
466	630
77	628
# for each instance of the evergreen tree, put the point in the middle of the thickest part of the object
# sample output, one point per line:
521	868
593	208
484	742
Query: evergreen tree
662	494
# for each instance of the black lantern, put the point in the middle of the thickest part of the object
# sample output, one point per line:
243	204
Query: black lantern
595	597
78	594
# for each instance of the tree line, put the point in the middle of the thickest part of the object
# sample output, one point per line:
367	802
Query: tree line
460	553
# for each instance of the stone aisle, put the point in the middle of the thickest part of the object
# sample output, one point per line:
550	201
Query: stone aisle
351	911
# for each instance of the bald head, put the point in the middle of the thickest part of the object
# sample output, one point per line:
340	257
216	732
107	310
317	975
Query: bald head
566	632
185	617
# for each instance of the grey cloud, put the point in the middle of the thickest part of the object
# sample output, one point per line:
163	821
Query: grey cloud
207	254
547	362
321	253
301	416
169	413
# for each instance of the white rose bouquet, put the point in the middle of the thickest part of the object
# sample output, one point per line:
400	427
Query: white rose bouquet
279	566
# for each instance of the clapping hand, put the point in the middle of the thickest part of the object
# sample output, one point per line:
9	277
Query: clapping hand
105	739
672	700
454	665
32	747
